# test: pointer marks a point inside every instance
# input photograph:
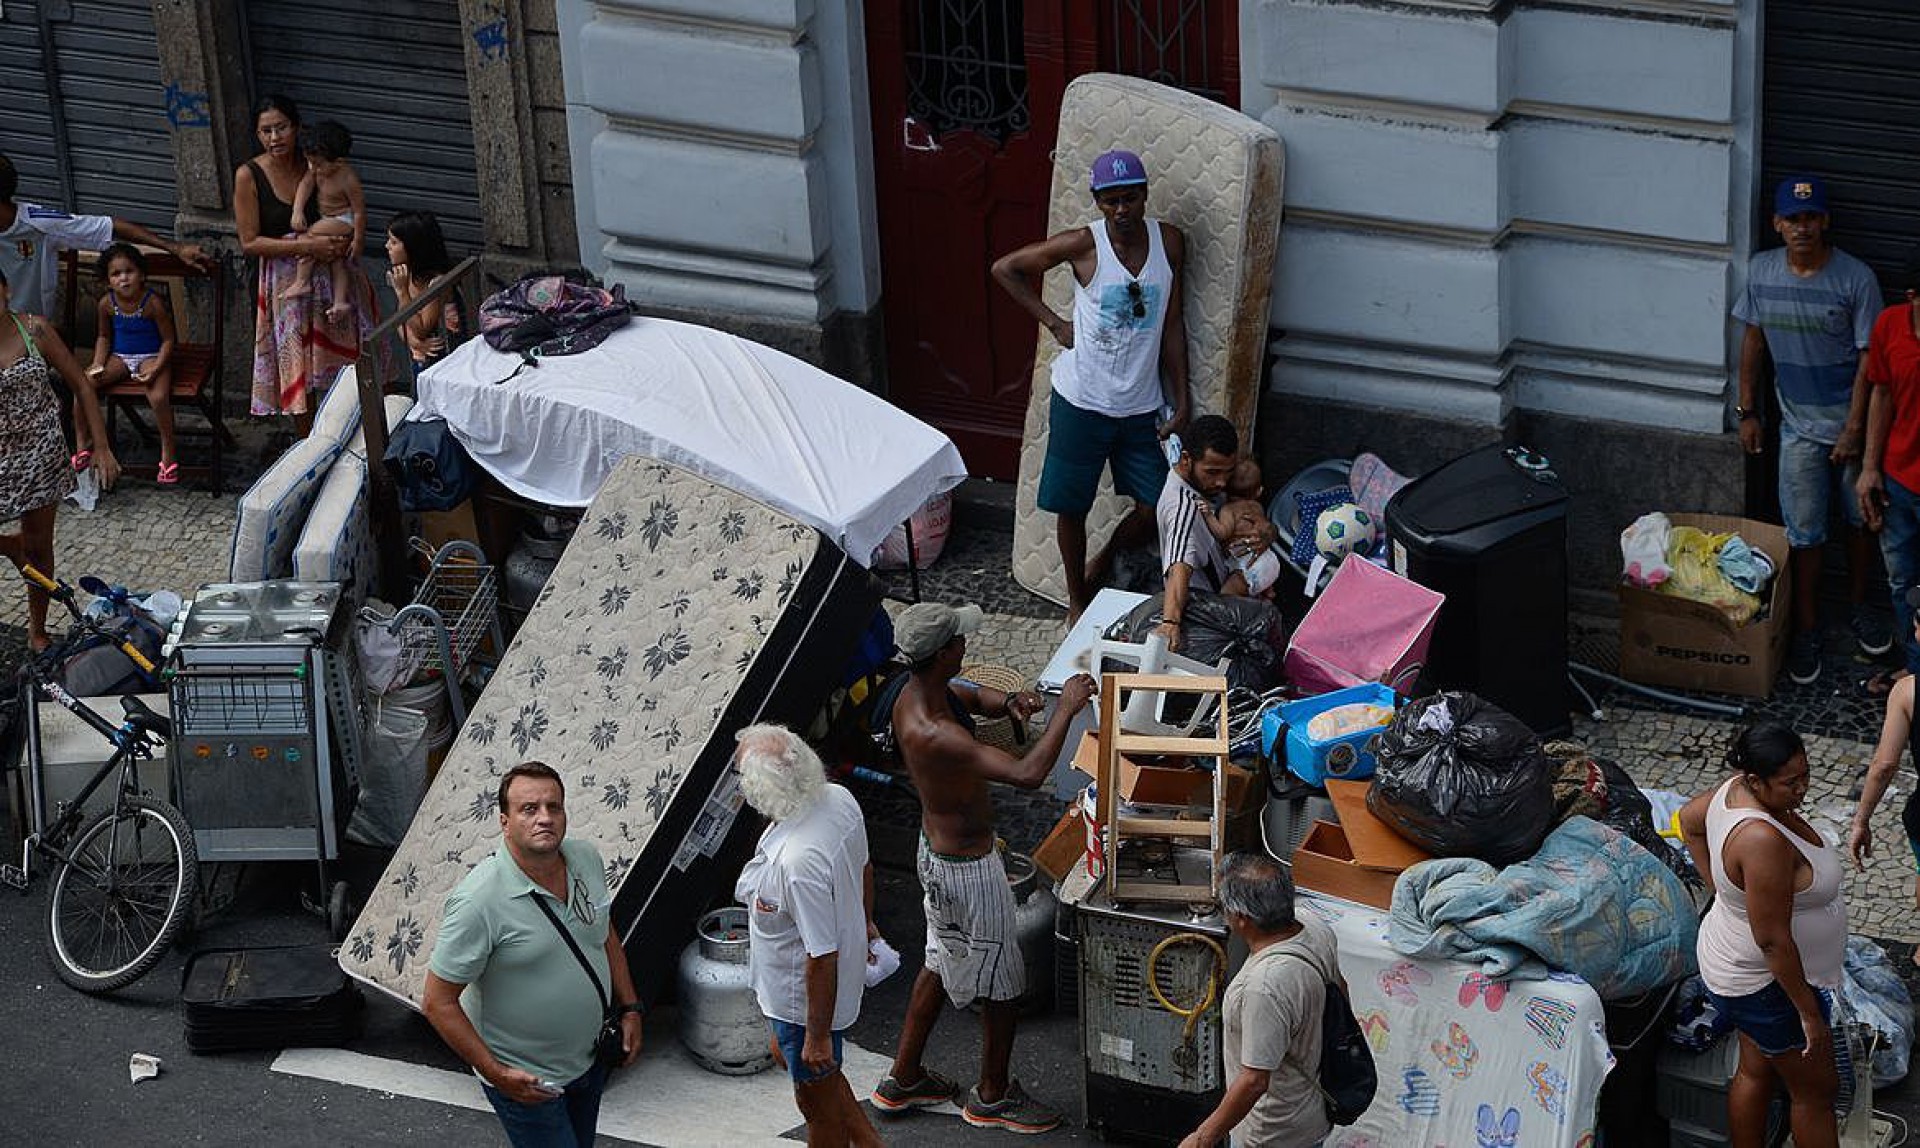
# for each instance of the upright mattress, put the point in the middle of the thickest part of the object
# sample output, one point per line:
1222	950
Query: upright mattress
681	612
1216	175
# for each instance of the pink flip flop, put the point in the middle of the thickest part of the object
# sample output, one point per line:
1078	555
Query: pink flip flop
169	474
81	460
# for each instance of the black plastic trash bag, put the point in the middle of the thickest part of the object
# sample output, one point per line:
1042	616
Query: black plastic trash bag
1461	777
1215	626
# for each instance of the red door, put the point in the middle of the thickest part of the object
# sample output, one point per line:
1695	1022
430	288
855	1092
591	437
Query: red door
966	97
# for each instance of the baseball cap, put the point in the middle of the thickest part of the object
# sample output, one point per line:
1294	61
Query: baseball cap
1118	169
1798	194
922	629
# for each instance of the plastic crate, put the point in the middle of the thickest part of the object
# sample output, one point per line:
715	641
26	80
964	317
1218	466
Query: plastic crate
1349	756
1690	1089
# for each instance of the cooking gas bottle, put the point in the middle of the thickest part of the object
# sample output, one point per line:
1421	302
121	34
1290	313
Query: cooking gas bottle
1033	915
720	1021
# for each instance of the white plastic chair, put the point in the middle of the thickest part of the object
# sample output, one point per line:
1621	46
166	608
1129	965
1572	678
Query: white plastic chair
1145	712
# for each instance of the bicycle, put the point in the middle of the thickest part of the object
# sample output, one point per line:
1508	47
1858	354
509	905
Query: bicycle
124	880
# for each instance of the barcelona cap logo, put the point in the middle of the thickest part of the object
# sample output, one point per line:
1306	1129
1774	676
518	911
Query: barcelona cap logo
1803	190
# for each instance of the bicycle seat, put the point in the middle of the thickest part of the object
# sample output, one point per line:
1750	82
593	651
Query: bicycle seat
141	716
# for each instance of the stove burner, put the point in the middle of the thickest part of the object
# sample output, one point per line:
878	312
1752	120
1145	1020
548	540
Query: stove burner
228	598
306	597
216	629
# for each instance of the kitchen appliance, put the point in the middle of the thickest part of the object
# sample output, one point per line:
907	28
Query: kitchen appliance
266	736
1148	1072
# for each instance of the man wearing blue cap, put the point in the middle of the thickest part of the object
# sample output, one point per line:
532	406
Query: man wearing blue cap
1123	359
1811	307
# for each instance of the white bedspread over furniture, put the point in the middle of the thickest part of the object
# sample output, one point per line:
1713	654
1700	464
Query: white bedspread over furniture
749	417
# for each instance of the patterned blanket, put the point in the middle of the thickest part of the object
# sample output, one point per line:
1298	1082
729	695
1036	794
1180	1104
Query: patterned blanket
1590	901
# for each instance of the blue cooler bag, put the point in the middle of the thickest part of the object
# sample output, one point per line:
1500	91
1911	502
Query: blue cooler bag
1348	756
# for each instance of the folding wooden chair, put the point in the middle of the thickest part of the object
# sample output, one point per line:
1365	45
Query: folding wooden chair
198	380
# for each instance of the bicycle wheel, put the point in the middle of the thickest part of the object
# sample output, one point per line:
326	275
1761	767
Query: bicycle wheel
121	895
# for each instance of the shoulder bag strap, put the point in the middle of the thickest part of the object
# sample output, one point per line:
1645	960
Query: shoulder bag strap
26	336
567	936
1326	982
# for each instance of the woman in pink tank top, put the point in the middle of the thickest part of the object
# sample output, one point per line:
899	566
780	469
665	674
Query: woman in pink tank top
1772	944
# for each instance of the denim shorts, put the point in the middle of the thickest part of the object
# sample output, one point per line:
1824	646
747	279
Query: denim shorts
1810	484
1769	1017
1081	443
790	1038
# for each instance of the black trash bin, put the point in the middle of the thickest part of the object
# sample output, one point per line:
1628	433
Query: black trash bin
1489	530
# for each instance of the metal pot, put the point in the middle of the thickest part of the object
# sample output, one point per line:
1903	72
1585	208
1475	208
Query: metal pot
1033	918
720	1021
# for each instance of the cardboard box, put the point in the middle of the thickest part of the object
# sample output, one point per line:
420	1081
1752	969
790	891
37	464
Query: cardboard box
1143	784
1358	859
1669	641
1062	847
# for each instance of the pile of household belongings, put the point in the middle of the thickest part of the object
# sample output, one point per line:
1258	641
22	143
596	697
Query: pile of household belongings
1721	570
1542	856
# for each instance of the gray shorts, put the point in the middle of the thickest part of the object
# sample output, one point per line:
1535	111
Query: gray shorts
973	944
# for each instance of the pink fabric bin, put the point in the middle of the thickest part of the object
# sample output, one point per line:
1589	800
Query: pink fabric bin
1368	625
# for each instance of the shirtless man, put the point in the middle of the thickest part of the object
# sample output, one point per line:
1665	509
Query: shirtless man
972	951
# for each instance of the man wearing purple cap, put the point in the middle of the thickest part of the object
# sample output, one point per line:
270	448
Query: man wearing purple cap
1811	307
1123	360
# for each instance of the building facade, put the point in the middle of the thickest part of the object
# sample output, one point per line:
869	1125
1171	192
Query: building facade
1503	219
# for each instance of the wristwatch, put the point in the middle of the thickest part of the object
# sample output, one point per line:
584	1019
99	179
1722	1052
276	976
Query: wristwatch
1742	414
634	1007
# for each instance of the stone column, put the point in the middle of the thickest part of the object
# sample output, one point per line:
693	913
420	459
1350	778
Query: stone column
720	170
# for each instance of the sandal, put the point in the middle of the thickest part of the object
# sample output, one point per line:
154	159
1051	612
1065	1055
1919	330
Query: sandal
1880	683
169	474
81	460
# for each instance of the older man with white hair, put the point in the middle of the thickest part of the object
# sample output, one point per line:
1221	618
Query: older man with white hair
809	893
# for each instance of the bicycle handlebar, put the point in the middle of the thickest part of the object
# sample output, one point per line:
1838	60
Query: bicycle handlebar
62	593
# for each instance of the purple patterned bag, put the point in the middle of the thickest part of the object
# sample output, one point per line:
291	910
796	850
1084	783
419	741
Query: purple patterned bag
552	315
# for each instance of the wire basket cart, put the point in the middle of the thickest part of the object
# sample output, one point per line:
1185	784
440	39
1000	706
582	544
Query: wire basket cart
455	610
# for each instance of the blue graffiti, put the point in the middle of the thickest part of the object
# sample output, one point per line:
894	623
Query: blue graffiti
187	109
491	39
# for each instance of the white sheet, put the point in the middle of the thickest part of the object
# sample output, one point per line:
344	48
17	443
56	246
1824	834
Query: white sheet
735	412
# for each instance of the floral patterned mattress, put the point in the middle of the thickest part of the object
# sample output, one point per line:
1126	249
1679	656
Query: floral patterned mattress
681	612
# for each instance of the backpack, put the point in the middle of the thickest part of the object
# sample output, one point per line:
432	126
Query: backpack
430	468
552	315
1346	1077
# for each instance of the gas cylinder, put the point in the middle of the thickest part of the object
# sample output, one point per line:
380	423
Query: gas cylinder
530	565
1033	918
720	1021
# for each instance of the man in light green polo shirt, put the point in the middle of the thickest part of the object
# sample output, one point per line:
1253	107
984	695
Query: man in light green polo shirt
505	990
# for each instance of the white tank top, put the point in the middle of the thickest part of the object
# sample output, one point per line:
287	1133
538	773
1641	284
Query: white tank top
1731	963
1113	367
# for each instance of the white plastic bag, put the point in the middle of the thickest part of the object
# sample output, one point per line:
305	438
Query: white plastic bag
87	493
1643	550
393	776
384	663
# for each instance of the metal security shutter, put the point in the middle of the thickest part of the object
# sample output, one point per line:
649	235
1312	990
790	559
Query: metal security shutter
394	72
1842	100
90	133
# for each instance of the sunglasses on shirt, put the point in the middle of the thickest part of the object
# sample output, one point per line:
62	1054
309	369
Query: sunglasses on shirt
1137	297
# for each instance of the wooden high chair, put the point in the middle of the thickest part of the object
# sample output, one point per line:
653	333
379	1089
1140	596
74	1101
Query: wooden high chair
198	381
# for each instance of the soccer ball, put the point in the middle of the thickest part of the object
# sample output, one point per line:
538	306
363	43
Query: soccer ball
1342	530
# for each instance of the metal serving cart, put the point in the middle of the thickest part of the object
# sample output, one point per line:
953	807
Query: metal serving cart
265	751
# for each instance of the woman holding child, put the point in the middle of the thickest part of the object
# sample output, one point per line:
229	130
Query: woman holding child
303	335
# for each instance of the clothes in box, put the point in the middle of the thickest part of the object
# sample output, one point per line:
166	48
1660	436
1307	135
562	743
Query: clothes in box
285	997
1671	641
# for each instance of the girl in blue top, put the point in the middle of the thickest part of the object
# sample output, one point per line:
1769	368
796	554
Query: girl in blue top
135	342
